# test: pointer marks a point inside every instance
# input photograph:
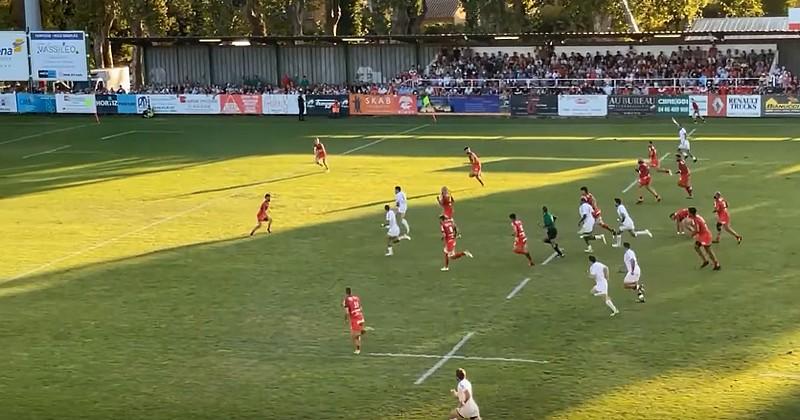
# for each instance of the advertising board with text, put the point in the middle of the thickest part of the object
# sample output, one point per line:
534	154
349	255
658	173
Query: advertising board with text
780	105
240	104
743	106
582	105
631	105
280	104
13	56
321	104
75	104
58	56
673	105
546	106
383	104
8	102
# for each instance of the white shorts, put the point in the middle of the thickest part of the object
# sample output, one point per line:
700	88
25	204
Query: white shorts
402	210
469	410
600	288
684	146
586	229
628	225
631	278
393	232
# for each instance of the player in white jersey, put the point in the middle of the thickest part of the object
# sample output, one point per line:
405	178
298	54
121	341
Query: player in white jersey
402	207
393	230
467	407
586	225
684	147
625	224
599	272
633	272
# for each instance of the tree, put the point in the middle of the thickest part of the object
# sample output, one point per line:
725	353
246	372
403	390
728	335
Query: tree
778	7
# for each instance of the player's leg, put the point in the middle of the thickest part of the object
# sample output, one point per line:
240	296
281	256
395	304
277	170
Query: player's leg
730	230
325	163
253	232
652	191
552	235
446	262
390	241
610	304
712	256
269	224
478	177
604	225
698	250
404	221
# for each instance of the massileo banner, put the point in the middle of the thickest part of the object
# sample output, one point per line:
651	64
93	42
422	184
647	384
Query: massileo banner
280	104
36	103
780	105
240	104
631	105
13	56
58	56
702	104
106	104
321	104
546	106
8	102
383	104
744	106
582	105
673	105
75	104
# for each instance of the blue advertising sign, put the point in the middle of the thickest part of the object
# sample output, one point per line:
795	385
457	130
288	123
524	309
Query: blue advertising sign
106	104
126	104
464	104
36	103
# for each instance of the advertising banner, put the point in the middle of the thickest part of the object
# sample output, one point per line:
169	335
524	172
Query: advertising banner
321	104
36	103
126	104
280	104
8	102
75	104
744	105
780	105
672	105
582	105
546	106
175	104
383	104
631	105
58	56
161	104
717	105
198	104
702	104
13	56
485	104
240	104
106	104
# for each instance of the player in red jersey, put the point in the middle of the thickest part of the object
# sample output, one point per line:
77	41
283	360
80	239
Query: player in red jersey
596	212
696	112
263	215
723	218
655	162
446	201
702	235
520	239
353	314
644	181
680	218
683	171
476	165
448	230
320	155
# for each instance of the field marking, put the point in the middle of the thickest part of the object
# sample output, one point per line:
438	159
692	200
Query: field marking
795	376
44	133
518	288
66	146
550	258
559	159
444	359
434	356
159	222
372	143
124	133
628	188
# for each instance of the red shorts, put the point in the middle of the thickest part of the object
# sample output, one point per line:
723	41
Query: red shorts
521	245
683	181
723	218
262	217
450	247
654	164
448	212
643	182
704	239
320	156
356	325
476	170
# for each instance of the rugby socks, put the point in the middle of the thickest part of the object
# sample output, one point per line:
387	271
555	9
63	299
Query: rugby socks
406	225
610	304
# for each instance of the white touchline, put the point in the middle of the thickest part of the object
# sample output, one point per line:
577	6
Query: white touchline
44	133
47	151
628	188
153	224
124	133
444	359
795	376
485	359
518	288
372	143
550	258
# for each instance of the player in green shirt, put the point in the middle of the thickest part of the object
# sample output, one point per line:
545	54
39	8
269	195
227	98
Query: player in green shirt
549	223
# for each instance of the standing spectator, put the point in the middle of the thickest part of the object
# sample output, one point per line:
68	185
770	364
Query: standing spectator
304	83
301	106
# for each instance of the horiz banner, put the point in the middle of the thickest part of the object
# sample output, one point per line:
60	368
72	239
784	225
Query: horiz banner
383	104
75	104
546	105
673	105
13	56
280	104
179	104
631	105
744	106
780	105
58	56
321	104
36	103
484	104
8	102
582	105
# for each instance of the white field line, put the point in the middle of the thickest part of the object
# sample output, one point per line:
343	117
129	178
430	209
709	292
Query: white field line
44	133
795	376
444	359
124	133
518	288
150	225
628	188
434	356
550	258
372	143
66	146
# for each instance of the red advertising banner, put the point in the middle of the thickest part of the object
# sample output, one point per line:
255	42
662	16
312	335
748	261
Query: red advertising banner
240	104
717	106
383	104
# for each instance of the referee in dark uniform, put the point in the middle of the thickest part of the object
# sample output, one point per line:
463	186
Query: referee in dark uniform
301	107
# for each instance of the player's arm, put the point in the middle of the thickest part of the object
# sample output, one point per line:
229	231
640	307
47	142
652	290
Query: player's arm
633	266
580	222
606	272
346	312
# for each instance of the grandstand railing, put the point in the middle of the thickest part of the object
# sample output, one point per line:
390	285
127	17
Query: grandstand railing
671	85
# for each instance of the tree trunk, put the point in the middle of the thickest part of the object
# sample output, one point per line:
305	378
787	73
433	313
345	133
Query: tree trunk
296	12
632	25
255	18
137	61
333	12
417	20
471	14
399	21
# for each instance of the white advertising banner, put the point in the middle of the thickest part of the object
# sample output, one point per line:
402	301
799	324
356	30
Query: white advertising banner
8	102
178	104
744	105
13	56
582	105
280	104
59	56
702	104
75	104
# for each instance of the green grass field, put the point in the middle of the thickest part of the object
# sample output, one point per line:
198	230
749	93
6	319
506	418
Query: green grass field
128	287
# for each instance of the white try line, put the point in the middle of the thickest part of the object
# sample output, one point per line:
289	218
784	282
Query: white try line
550	258
444	359
479	358
518	288
44	133
154	224
124	133
47	151
628	188
795	376
372	143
